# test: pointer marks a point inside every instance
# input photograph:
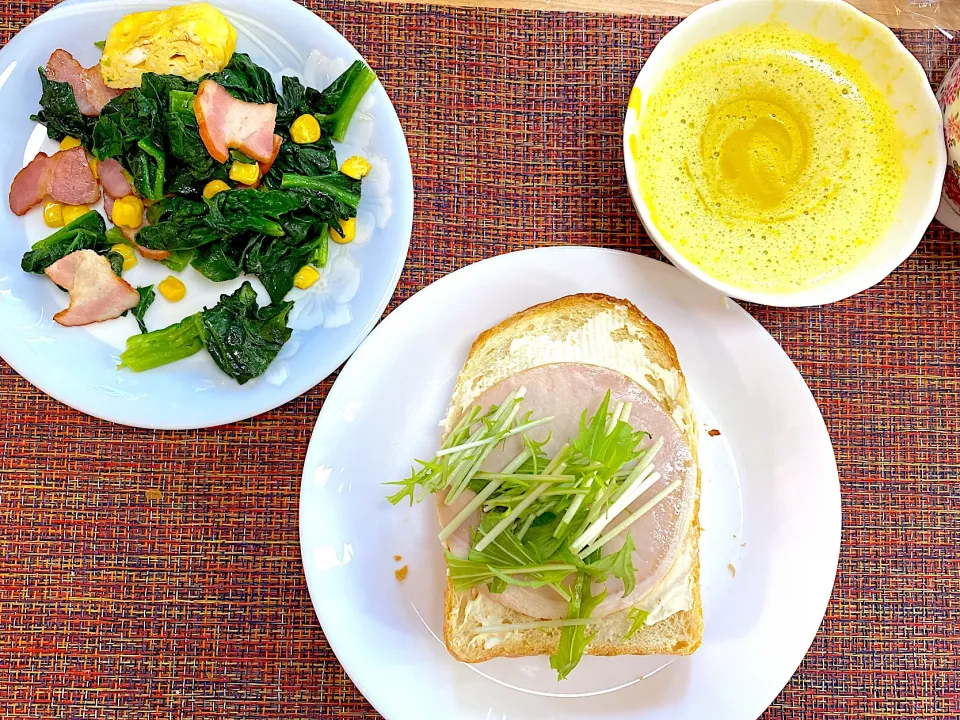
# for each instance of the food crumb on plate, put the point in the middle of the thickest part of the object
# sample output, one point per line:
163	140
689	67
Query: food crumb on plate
153	494
401	574
398	558
713	433
732	569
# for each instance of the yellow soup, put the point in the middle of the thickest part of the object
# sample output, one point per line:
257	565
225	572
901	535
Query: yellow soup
769	159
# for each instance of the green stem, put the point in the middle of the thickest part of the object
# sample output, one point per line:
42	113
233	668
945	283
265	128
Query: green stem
460	481
542	625
496	438
538	569
630	520
320	183
524	477
161	347
489	490
513	515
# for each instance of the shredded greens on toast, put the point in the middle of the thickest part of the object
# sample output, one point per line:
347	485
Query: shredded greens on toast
545	521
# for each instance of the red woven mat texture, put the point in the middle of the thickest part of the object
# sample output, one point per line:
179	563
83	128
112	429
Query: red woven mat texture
157	575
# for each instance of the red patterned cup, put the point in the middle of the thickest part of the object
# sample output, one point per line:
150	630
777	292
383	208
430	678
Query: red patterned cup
949	97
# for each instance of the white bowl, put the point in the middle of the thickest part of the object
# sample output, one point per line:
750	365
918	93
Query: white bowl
887	62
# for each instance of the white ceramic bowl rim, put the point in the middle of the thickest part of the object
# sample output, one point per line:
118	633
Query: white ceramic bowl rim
843	286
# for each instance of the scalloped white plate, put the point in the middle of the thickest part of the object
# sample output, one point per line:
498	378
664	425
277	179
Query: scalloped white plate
770	506
78	365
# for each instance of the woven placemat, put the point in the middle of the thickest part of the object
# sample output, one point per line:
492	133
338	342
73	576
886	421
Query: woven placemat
157	575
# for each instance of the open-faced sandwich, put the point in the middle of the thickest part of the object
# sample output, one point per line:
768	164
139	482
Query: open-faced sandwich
568	490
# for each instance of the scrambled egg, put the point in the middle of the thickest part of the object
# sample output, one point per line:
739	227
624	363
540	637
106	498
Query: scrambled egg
186	40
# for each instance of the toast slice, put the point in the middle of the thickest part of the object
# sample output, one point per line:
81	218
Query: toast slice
591	329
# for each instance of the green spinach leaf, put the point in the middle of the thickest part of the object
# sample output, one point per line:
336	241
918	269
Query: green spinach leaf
219	261
275	261
237	211
246	80
178	260
177	223
88	232
574	638
147	296
319	189
134	127
61	114
319	158
185	143
124	121
242	338
116	261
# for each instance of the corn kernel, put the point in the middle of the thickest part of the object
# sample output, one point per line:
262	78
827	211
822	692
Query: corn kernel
214	187
349	231
72	212
172	289
305	277
129	256
69	143
128	212
245	173
305	130
356	167
53	214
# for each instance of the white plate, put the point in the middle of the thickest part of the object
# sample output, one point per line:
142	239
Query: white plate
78	365
770	506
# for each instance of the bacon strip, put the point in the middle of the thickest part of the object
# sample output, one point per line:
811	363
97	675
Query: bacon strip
65	176
226	122
96	293
266	166
88	86
146	252
116	186
114	181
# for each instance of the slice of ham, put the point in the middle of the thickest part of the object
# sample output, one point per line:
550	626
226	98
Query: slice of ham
64	176
226	122
96	293
564	390
88	86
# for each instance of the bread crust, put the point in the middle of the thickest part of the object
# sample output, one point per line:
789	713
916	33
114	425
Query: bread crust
681	633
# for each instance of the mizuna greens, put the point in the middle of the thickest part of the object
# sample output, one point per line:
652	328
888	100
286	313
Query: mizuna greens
270	232
544	520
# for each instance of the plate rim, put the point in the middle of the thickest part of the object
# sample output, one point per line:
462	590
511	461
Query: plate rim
313	580
120	413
